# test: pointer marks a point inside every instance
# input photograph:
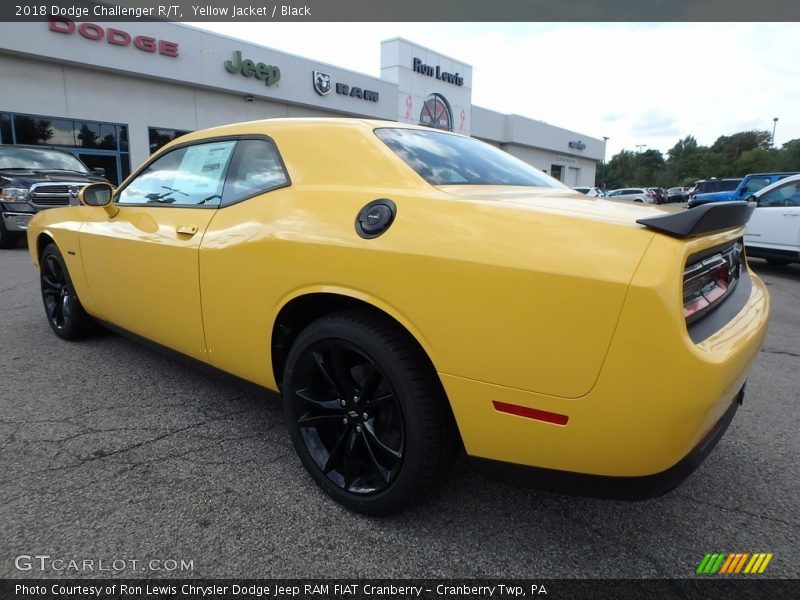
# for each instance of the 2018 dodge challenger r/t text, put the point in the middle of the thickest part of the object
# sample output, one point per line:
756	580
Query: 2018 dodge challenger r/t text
409	290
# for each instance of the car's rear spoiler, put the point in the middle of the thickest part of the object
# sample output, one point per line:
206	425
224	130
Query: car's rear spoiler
706	218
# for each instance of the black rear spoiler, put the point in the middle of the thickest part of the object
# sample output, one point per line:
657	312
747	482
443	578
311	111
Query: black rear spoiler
706	218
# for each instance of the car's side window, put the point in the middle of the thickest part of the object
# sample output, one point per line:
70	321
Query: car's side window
188	176
785	195
256	168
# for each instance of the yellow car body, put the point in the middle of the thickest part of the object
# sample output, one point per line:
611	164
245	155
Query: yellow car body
535	297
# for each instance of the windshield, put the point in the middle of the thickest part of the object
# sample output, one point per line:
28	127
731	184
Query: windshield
446	159
39	159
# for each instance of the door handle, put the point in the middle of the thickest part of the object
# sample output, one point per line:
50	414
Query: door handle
187	229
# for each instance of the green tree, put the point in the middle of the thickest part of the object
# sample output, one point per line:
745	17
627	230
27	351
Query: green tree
789	156
731	147
757	160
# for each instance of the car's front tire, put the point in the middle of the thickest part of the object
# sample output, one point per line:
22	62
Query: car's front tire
366	412
63	309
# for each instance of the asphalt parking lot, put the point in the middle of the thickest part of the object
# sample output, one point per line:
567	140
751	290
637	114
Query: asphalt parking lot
112	450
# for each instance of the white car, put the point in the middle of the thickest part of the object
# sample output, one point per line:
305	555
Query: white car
636	194
773	231
594	192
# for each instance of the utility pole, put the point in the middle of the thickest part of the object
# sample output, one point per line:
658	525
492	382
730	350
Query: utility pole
603	165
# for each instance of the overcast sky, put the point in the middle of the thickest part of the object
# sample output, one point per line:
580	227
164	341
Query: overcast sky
636	83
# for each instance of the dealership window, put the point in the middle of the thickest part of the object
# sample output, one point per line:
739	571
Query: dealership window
97	144
160	136
5	128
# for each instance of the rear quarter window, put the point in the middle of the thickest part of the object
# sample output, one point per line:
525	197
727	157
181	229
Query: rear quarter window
448	159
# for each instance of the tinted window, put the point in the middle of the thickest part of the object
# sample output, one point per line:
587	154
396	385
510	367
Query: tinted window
5	128
255	168
785	195
193	175
160	136
30	130
728	185
36	158
443	159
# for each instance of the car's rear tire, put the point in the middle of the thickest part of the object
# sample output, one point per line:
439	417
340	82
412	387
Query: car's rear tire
8	239
63	309
366	412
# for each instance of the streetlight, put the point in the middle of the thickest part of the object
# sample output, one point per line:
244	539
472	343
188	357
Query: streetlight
603	165
640	146
774	123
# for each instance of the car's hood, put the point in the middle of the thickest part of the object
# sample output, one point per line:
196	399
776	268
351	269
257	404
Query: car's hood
28	177
558	200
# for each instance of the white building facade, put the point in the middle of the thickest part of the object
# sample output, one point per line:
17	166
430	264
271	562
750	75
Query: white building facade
112	93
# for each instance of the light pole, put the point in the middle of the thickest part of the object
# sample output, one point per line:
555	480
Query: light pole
640	146
774	123
603	165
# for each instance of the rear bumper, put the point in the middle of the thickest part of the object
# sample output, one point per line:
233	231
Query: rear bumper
602	486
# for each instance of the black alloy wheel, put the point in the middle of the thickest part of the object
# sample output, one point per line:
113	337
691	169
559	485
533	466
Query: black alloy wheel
365	412
350	418
63	309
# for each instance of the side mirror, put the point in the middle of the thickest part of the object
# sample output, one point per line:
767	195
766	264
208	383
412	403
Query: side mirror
99	171
98	194
752	200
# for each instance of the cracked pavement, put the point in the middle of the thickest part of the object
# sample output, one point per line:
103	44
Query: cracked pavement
112	450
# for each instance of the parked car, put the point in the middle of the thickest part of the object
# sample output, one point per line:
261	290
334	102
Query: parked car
749	185
634	194
773	231
594	192
659	195
676	194
418	289
33	178
705	186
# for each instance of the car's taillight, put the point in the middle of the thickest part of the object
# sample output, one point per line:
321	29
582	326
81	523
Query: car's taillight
708	279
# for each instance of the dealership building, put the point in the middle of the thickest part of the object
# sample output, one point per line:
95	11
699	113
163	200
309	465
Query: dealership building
112	93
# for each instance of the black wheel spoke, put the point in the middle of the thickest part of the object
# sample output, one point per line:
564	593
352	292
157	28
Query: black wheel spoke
328	374
369	431
50	282
66	309
382	400
335	458
348	460
371	382
57	313
340	372
305	394
52	292
308	420
383	471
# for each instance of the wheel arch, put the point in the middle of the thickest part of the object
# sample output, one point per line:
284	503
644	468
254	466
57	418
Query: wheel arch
42	241
302	309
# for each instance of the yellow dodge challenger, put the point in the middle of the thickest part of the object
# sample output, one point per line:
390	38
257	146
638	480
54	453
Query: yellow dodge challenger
408	291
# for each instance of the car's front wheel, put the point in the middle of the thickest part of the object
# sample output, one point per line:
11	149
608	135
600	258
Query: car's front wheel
366	412
64	310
